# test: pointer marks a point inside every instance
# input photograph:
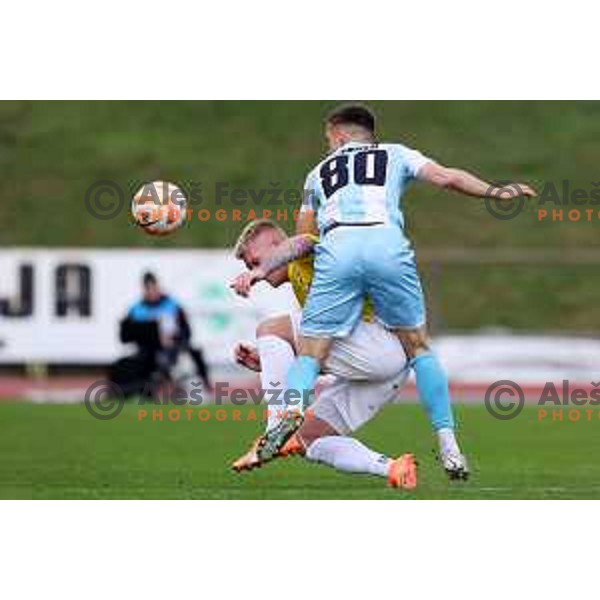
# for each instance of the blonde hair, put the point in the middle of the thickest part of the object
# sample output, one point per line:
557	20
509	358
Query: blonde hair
251	231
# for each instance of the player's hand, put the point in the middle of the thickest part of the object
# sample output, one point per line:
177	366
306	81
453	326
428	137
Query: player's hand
526	190
247	356
243	283
515	190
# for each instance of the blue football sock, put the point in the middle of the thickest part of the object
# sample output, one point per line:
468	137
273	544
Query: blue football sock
432	386
302	377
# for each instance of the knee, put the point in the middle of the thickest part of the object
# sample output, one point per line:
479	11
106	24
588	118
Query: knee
278	326
314	429
414	342
266	327
318	348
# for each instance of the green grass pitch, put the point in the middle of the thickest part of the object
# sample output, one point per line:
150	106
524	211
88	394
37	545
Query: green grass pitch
59	451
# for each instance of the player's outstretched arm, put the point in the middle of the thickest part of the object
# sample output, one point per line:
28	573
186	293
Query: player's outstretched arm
466	183
282	254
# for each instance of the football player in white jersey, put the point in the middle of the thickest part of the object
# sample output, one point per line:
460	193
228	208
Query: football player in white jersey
364	371
369	364
353	199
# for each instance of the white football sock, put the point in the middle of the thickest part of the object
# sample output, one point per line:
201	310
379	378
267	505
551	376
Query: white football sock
349	455
276	358
447	441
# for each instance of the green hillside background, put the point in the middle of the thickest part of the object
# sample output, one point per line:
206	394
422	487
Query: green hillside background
51	152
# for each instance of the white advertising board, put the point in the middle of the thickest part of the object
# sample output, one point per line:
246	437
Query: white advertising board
64	305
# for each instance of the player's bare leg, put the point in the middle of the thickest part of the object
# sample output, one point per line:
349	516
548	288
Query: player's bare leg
432	386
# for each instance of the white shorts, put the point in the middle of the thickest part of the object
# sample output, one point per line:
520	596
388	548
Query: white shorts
369	353
347	405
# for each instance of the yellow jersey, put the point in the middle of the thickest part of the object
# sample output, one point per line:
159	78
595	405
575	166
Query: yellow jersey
300	274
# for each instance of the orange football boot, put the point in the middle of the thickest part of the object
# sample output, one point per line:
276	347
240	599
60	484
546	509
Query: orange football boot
250	460
402	472
293	446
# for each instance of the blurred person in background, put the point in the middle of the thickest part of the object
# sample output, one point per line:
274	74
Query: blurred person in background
159	326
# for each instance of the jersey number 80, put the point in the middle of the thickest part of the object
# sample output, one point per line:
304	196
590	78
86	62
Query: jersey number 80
370	168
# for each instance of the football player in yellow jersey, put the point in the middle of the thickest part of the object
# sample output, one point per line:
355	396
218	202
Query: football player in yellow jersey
365	370
365	363
300	271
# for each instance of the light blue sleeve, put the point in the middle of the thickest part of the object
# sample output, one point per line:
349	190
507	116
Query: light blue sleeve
410	161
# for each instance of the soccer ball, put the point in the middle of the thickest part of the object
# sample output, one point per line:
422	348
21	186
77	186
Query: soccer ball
159	208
